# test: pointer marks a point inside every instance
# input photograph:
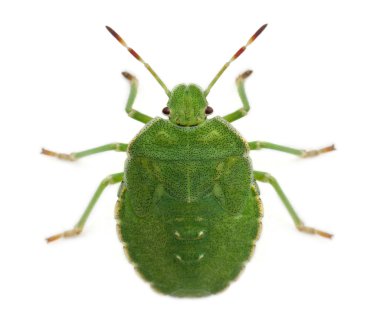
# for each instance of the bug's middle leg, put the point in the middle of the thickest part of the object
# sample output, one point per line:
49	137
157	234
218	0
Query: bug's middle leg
256	145
118	147
266	177
77	229
243	97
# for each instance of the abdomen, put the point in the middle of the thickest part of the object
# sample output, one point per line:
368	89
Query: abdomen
187	248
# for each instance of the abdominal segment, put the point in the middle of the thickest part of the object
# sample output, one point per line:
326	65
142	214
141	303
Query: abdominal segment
188	249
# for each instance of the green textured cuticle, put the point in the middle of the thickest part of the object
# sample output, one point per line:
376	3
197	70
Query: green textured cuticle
189	218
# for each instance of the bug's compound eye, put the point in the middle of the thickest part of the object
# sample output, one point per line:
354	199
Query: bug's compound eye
166	110
209	110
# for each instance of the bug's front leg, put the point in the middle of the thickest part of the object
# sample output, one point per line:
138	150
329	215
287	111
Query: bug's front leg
243	97
134	114
256	145
266	177
77	229
118	147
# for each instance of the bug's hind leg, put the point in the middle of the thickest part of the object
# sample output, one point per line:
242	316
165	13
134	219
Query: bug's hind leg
243	97
77	229
266	177
137	115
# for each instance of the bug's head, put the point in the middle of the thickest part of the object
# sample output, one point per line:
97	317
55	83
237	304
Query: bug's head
187	105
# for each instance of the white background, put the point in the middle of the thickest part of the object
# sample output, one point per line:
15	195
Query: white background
316	80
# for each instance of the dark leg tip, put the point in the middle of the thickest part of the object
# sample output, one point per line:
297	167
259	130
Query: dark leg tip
67	234
61	156
244	75
316	152
128	76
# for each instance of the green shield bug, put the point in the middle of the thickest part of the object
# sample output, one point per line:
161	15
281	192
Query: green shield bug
188	210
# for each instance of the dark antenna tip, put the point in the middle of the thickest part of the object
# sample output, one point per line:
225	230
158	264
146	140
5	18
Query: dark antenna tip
258	32
116	36
234	57
262	28
137	57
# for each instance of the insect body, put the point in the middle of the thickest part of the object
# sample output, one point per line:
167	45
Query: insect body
188	210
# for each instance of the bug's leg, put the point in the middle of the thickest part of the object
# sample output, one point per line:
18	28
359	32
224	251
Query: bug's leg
243	96
266	177
131	99
77	229
118	147
256	145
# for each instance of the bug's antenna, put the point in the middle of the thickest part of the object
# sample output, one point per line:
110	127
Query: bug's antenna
137	56
234	57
